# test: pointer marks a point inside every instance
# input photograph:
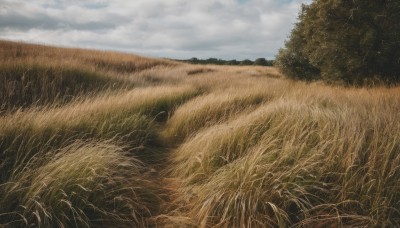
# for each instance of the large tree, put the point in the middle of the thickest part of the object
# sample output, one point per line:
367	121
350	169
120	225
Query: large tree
352	41
292	60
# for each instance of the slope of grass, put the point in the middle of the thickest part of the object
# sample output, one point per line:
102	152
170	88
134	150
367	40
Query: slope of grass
82	185
25	85
100	139
127	117
209	110
296	162
100	60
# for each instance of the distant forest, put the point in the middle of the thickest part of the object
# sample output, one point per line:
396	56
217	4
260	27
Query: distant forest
246	62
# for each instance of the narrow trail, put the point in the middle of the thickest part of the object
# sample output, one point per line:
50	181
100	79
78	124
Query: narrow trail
170	210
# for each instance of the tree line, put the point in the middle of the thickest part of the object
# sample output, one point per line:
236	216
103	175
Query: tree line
234	62
351	42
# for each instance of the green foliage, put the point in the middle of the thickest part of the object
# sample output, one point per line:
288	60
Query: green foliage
232	62
292	60
263	62
246	62
353	42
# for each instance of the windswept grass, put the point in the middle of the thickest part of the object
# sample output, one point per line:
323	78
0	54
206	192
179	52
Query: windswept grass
296	162
127	118
99	60
104	139
209	110
32	75
85	184
220	106
24	85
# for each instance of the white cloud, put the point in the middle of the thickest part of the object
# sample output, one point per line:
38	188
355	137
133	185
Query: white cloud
228	29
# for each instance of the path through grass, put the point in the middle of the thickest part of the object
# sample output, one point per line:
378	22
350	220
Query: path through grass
94	139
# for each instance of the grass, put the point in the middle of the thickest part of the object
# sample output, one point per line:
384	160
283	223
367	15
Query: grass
82	185
99	139
99	60
128	117
25	85
295	162
211	109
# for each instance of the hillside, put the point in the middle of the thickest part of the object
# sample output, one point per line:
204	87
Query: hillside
98	139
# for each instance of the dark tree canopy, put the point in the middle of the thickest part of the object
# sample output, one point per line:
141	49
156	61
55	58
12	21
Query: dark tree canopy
246	62
292	60
351	41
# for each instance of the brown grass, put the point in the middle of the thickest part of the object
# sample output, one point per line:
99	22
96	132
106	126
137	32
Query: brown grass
142	142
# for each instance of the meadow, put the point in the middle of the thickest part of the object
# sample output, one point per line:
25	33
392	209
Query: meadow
104	139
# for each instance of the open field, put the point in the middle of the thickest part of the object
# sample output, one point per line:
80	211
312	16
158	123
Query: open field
99	139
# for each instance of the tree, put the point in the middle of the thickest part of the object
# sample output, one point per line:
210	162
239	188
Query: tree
260	62
193	60
291	59
348	41
246	62
263	62
232	62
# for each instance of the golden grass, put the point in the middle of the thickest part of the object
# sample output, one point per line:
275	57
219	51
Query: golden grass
128	117
109	139
28	84
208	110
305	161
81	185
32	75
101	60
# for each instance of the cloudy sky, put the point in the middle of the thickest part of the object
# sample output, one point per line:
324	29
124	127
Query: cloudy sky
227	29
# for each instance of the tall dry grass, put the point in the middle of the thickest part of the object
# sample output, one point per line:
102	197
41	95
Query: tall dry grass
93	138
32	75
319	159
76	163
207	111
99	60
85	184
128	118
28	84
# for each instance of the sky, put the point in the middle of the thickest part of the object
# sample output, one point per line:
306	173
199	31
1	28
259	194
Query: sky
179	29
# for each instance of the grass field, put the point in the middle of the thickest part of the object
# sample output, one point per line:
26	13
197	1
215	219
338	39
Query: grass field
98	139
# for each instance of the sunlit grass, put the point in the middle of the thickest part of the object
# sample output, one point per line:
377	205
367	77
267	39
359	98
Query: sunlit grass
82	185
91	138
298	161
24	85
128	118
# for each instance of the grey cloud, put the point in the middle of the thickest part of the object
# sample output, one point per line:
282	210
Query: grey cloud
43	21
175	28
20	22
